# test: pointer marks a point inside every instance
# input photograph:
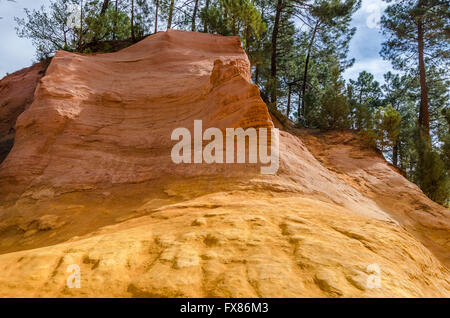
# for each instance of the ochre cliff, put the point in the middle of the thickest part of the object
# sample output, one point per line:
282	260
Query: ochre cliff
90	182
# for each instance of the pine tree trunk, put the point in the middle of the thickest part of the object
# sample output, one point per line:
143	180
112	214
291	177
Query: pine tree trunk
156	15
104	7
424	116
288	110
133	37
81	27
115	20
65	37
205	25
194	15
401	161
395	155
247	42
273	65
169	22
305	73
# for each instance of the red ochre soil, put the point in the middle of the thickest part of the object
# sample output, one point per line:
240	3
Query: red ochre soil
90	181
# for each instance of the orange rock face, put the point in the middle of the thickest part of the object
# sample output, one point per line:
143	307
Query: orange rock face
107	119
16	94
90	182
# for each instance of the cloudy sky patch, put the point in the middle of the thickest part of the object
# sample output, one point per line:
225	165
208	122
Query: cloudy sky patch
365	46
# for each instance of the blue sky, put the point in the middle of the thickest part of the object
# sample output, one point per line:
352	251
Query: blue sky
366	44
16	53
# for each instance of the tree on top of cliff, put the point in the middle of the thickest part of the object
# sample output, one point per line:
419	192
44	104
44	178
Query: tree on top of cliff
234	17
367	90
80	25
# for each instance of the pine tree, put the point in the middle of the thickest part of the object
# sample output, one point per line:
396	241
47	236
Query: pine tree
234	17
334	110
326	18
417	32
367	90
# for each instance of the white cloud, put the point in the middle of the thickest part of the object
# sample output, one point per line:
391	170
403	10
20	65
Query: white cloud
373	20
366	44
371	12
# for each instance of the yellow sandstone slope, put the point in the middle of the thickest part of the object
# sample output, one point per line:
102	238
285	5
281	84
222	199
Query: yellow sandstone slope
90	182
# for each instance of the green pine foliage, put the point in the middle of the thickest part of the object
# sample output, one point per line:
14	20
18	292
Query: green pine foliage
387	124
235	17
334	105
433	174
